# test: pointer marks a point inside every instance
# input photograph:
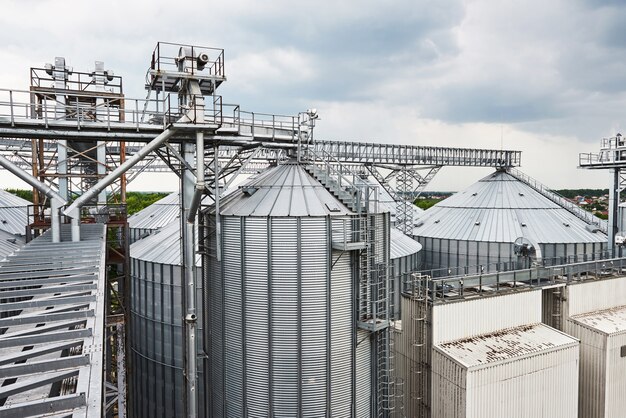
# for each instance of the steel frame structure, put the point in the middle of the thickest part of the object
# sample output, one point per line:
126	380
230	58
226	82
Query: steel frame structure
57	368
184	121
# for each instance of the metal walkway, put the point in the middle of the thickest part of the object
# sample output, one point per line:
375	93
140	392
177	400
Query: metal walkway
52	326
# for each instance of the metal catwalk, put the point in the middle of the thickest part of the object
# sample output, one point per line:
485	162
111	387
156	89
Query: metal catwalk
52	326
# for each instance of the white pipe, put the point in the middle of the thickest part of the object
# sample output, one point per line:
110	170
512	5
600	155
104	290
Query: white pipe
56	201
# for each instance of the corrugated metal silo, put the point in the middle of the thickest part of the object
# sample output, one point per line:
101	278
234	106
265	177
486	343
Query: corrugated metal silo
406	257
9	243
478	226
156	385
282	339
154	217
13	213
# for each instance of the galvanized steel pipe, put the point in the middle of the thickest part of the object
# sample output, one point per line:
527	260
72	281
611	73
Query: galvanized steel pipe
73	210
56	200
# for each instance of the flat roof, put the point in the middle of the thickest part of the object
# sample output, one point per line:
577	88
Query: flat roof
607	321
504	345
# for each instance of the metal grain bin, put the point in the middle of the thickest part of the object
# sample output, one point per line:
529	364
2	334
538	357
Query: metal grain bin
156	385
281	338
405	258
13	213
478	226
9	243
154	217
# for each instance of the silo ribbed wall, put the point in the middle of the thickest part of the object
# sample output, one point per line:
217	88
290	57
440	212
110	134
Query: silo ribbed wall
156	385
281	334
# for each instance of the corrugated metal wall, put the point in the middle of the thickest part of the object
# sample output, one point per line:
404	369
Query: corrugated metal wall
488	314
602	372
594	295
412	362
543	385
156	341
282	335
445	253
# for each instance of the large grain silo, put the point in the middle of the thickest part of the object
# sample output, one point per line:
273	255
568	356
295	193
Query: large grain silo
406	257
154	217
9	243
478	227
156	381
13	213
282	335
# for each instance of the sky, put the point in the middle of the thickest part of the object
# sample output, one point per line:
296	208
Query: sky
547	78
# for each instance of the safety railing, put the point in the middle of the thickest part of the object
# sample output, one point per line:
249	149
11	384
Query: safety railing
571	207
91	109
41	80
448	288
166	55
255	124
504	266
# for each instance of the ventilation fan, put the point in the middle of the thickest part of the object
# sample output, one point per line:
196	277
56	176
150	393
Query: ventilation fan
523	247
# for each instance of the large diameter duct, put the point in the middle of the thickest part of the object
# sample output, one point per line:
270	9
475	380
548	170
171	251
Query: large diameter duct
73	210
56	201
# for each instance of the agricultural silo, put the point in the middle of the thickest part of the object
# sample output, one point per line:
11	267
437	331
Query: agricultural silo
13	213
478	227
156	380
405	257
154	217
282	336
9	243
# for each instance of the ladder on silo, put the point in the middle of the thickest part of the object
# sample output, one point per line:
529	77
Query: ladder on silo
375	310
373	303
419	328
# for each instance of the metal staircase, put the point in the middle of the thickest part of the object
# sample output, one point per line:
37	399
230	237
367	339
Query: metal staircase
582	214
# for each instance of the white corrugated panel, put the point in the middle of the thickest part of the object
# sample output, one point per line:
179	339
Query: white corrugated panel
602	335
529	371
470	317
589	296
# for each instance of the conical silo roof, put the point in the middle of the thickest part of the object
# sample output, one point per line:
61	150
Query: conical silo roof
162	247
13	213
501	208
157	215
402	245
286	190
9	243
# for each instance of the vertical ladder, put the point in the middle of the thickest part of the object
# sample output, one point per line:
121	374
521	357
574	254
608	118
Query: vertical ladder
419	310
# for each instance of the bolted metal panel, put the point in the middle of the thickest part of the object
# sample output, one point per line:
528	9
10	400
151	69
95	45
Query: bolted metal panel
284	346
257	333
341	334
363	374
156	381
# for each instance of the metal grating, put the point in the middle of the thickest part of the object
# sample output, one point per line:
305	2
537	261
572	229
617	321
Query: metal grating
52	326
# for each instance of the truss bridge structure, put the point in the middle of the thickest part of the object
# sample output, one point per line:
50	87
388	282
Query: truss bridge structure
78	140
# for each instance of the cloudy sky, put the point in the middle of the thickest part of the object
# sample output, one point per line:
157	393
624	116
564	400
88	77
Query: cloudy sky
544	77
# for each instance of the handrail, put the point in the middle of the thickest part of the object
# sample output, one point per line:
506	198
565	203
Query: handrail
582	214
450	288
